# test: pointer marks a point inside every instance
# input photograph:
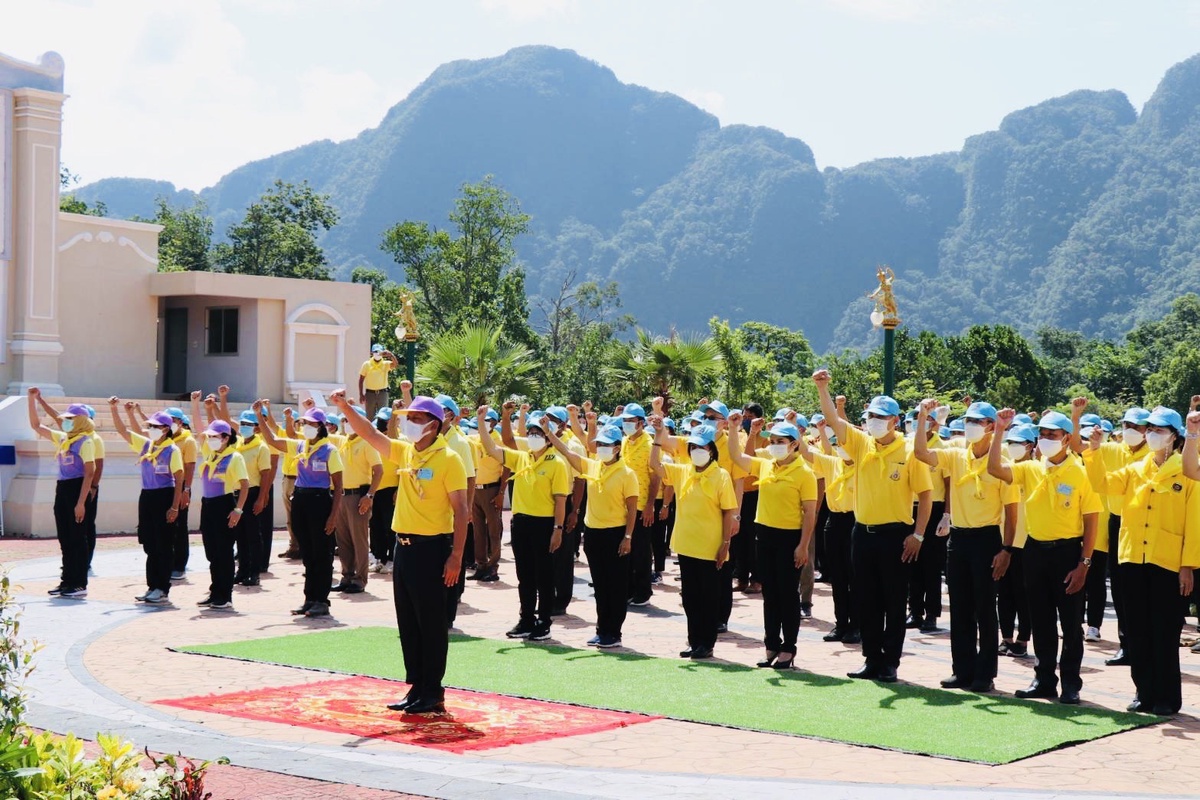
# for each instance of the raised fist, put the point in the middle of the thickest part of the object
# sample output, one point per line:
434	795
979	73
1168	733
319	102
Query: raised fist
821	378
1004	417
196	395
114	400
223	390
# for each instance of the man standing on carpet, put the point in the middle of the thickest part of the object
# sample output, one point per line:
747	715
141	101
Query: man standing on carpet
430	522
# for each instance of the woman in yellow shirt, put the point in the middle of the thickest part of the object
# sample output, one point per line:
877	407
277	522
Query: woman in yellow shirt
785	520
612	497
704	521
1012	603
225	489
839	471
1159	549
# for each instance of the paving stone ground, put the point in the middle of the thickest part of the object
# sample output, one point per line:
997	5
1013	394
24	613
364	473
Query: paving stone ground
113	656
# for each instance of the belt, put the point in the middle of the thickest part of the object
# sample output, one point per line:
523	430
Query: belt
309	491
357	490
984	529
408	539
891	527
495	485
1047	544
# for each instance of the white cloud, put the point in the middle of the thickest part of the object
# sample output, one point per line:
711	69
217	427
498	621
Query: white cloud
531	9
710	101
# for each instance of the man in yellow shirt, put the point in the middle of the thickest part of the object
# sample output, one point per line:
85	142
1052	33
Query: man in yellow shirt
373	379
258	472
635	452
431	533
383	541
925	578
459	444
491	482
837	470
362	472
1061	513
885	538
978	553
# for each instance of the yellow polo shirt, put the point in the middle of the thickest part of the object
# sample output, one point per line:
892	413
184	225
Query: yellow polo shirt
375	374
1160	512
700	497
1056	498
487	469
257	456
358	460
635	452
1022	530
937	475
290	456
840	483
609	486
459	444
977	500
187	445
782	491
427	479
536	482
888	477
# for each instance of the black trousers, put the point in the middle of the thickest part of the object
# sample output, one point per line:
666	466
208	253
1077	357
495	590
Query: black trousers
700	584
878	590
90	507
780	587
610	578
1012	603
1115	584
658	536
641	561
154	534
838	567
725	596
535	566
249	539
72	535
310	512
1153	625
925	574
383	539
419	594
564	562
743	547
218	540
266	530
974	638
1046	568
181	546
819	558
454	593
1095	590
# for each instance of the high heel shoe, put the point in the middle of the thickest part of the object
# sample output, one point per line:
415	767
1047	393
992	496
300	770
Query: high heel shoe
785	664
769	661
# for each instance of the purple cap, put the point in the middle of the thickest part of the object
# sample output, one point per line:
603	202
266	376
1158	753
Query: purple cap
315	415
219	427
162	418
76	410
425	405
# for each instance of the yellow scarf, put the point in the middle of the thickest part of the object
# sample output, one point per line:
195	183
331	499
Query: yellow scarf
154	450
777	474
842	482
976	467
64	446
1047	477
211	464
707	485
414	466
880	454
534	462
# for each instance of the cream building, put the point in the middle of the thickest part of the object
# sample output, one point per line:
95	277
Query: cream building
85	314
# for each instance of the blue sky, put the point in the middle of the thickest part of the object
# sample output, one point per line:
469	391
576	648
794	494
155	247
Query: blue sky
186	91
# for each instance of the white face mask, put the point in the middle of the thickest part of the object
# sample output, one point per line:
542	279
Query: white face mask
974	432
877	428
1157	440
377	357
1133	437
473	432
413	431
605	453
842	454
536	443
700	457
1016	450
214	442
1050	447
630	428
778	451
159	434
176	427
311	431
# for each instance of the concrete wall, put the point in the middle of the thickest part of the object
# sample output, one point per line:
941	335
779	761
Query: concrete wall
207	372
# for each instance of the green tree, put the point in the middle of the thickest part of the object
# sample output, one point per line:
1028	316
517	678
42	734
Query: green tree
789	349
185	242
70	203
746	376
1176	381
674	368
278	235
385	304
474	364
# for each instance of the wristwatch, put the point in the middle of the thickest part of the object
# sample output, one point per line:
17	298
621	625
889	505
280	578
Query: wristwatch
920	537
370	496
1087	562
737	517
1008	548
558	527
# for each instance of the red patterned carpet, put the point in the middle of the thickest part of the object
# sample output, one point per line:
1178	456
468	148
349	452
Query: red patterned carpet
358	707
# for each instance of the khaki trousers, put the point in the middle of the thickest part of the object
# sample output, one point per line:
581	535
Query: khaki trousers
354	540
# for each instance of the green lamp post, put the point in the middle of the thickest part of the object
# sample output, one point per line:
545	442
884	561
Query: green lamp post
887	317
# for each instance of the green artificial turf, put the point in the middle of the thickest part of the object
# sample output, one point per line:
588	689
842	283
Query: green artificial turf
950	724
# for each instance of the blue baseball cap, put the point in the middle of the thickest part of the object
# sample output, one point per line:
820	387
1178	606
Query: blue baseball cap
817	418
609	434
801	421
959	425
1022	419
1055	421
384	413
944	432
492	414
717	407
1136	416
362	412
247	417
174	412
376	348
334	419
186	420
786	430
703	436
884	406
981	411
634	410
669	424
1106	426
1089	420
781	414
557	412
1021	433
537	420
447	402
1164	417
470	422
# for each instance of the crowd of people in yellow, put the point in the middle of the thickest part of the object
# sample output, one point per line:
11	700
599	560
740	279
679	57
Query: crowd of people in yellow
1031	519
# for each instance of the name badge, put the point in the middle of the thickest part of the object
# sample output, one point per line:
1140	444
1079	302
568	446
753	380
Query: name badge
162	469
319	466
68	459
1065	489
425	474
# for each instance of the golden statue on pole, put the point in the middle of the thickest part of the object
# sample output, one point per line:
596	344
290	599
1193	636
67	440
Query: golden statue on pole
885	314
407	331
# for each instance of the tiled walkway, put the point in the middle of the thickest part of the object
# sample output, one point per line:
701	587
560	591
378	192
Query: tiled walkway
106	662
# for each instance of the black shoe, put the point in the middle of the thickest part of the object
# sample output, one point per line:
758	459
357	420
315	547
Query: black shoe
207	601
491	577
57	590
1069	697
955	682
887	675
354	588
784	664
805	610
1036	692
1002	650
1136	707
1018	649
866	672
477	575
834	635
248	582
929	626
769	661
403	705
853	637
540	632
702	652
1164	710
983	687
290	554
302	610
426	706
687	653
559	612
341	587
1120	659
723	628
913	622
521	630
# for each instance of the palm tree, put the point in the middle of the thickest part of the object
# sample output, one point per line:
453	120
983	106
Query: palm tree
473	363
666	367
